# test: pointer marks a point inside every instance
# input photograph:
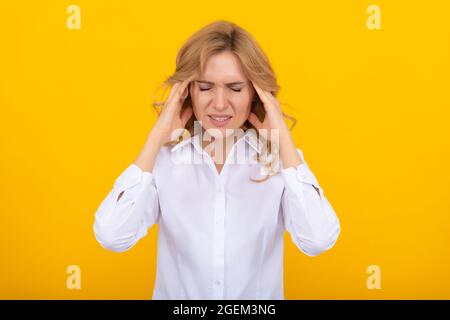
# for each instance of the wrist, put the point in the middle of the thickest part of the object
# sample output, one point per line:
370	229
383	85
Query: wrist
156	139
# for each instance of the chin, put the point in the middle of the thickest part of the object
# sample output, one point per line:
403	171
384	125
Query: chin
220	133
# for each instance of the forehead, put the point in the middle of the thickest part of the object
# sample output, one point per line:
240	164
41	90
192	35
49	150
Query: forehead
223	67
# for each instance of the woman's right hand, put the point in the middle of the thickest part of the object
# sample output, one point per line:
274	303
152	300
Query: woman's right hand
171	120
167	126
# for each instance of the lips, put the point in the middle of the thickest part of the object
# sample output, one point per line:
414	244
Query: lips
219	120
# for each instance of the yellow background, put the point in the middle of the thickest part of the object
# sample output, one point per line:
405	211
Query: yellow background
373	123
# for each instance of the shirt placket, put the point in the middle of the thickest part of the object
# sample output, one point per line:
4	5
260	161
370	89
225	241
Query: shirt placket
219	242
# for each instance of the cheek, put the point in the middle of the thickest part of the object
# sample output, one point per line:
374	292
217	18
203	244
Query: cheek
198	105
199	98
242	104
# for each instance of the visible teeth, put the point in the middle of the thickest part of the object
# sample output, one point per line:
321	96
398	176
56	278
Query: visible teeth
221	119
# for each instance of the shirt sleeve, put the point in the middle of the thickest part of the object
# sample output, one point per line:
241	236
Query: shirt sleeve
308	216
130	208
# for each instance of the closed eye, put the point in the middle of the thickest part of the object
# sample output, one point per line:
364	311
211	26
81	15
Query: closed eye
234	89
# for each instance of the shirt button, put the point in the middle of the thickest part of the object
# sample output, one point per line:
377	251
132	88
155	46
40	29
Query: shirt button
217	282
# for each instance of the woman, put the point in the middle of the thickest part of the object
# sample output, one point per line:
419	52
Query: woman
223	196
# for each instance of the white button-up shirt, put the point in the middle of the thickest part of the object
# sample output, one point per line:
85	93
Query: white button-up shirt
220	236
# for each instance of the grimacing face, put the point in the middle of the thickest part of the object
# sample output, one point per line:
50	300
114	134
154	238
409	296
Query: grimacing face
222	96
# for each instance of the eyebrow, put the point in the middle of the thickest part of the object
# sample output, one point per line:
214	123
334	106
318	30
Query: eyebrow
228	84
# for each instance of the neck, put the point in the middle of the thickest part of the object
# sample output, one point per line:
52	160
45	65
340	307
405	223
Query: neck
210	144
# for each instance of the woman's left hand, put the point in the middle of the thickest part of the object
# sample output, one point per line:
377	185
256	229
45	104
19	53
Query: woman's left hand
274	127
273	120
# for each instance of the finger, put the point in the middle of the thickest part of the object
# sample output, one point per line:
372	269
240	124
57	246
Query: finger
182	88
173	91
261	93
185	93
274	100
253	119
186	115
175	96
271	97
268	99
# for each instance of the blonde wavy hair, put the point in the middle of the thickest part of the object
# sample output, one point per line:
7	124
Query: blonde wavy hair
215	38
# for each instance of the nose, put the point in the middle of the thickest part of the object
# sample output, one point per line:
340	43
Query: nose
220	99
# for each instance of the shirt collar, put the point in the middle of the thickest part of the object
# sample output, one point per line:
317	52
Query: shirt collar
249	137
